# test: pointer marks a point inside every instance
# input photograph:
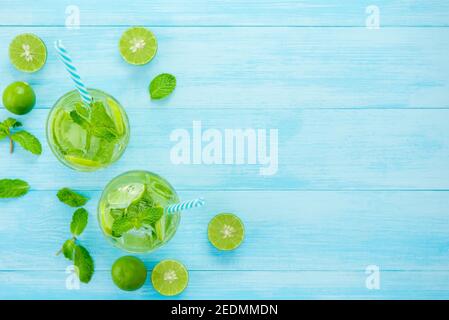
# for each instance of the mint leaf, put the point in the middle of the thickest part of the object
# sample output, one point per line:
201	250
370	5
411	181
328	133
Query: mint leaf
162	85
152	215
109	134
79	221
11	123
122	225
4	132
13	188
82	110
84	262
71	198
27	141
79	120
68	248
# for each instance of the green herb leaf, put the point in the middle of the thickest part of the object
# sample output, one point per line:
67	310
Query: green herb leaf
71	198
3	131
79	120
152	215
117	213
109	134
13	188
82	110
68	249
11	123
162	86
122	225
27	141
84	262
79	221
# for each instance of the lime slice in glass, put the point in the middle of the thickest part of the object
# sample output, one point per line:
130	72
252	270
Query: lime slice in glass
125	195
82	161
116	115
138	45
169	277
226	231
27	52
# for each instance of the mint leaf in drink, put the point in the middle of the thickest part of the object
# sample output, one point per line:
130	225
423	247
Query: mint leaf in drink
79	120
68	248
79	222
71	198
82	110
109	134
27	141
122	225
84	263
13	188
162	86
152	215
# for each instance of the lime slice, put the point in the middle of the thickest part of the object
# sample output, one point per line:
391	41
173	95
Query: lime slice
138	45
169	277
82	161
116	115
226	231
160	228
27	52
125	195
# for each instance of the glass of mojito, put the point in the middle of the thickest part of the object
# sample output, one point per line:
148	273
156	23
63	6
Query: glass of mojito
87	137
131	211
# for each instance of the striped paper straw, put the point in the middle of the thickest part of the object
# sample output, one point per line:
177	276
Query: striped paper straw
71	69
185	205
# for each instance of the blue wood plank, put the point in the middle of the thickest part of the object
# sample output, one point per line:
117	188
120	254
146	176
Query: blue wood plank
317	150
227	13
285	231
237	285
257	68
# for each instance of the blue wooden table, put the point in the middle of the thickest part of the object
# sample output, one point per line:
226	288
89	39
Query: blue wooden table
359	95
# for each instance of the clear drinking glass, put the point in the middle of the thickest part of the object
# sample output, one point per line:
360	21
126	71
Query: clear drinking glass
131	214
88	138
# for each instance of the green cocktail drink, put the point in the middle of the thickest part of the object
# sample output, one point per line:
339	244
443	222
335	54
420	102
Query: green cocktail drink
131	211
87	137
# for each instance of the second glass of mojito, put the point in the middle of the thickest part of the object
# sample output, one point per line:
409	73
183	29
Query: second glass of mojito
88	137
131	211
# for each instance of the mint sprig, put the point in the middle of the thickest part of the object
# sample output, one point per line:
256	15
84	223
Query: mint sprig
141	212
9	128
13	188
162	86
72	249
71	198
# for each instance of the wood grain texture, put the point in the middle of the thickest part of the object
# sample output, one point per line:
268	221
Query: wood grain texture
257	68
362	116
318	149
228	13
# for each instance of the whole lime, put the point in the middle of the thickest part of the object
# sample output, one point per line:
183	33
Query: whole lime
129	273
19	98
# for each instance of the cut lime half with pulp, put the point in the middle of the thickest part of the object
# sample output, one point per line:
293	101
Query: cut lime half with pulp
27	52
226	231
125	195
169	277
138	45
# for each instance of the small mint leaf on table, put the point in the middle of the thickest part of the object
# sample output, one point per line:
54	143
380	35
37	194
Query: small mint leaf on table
68	249
84	263
162	86
27	141
79	222
71	198
13	188
11	123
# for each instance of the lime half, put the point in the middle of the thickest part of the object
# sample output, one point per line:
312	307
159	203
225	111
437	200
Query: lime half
226	231
138	45
125	195
169	277
27	52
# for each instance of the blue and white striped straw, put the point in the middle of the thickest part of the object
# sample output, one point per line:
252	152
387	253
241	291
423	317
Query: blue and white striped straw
185	205
71	69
